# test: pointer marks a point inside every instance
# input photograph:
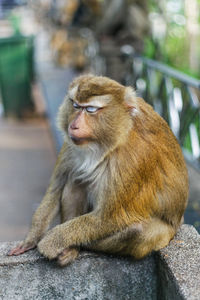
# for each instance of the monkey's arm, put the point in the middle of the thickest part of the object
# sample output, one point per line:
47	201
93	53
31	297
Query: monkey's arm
76	232
40	222
48	208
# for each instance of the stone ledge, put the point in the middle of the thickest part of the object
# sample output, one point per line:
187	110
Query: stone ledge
91	276
171	274
179	266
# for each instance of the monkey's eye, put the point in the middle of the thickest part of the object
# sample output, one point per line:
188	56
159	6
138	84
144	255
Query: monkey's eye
75	105
91	109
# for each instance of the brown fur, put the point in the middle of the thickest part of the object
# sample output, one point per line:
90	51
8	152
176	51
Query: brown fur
121	186
88	87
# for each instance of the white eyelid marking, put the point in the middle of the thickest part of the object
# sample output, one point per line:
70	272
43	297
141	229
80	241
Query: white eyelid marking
92	109
98	101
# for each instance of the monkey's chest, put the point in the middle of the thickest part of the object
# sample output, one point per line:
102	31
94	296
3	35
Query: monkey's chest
91	203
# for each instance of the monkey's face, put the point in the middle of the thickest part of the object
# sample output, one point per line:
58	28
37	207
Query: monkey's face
84	119
95	112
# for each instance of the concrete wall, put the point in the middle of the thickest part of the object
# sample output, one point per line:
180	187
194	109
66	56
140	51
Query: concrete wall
171	274
91	276
179	266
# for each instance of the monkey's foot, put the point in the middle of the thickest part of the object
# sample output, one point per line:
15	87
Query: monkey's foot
67	256
20	249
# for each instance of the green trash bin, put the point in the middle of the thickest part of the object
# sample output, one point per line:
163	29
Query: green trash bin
16	74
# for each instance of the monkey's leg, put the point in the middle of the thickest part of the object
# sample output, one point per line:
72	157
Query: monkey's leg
137	240
67	256
118	242
155	236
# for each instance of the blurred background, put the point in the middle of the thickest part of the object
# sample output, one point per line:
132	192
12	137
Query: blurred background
152	45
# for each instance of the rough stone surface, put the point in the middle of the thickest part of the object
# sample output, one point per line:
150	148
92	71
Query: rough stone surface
192	213
91	276
171	274
179	266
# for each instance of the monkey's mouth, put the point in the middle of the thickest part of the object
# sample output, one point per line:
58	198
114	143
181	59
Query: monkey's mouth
79	141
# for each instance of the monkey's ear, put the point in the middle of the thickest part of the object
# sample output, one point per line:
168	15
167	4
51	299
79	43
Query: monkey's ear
130	100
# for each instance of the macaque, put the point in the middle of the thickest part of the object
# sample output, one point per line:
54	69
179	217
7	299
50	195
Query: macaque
120	182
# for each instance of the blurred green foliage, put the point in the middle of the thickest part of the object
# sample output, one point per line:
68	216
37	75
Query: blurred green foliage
170	42
172	47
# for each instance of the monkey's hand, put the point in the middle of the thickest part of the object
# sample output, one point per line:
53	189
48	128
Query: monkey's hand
21	248
53	243
51	248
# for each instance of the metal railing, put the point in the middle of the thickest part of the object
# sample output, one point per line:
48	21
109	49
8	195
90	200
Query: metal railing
173	94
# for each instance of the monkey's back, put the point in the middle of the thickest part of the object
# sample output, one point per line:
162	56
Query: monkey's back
154	168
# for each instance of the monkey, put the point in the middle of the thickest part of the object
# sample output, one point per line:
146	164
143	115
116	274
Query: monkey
120	182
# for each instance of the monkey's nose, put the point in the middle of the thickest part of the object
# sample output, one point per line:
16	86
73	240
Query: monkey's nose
73	126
